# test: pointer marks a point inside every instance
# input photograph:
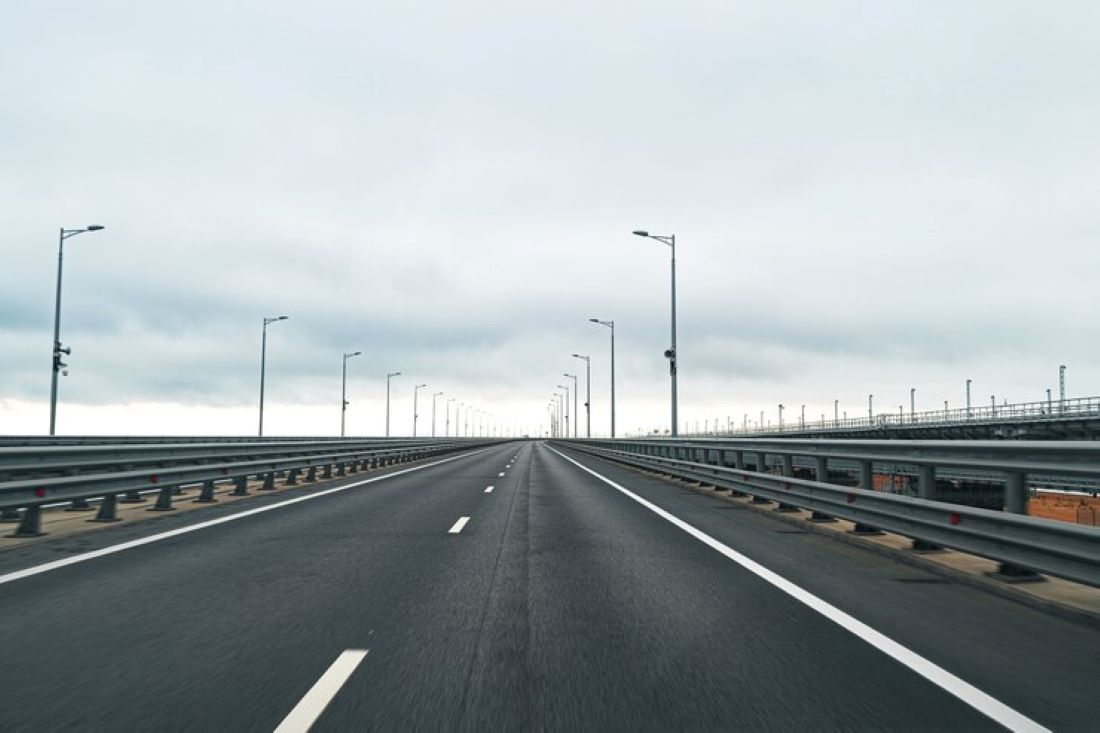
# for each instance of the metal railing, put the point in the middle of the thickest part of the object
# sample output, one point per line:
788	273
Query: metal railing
1023	545
33	477
1023	412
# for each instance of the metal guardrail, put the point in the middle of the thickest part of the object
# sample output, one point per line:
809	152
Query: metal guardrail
48	459
1075	408
33	477
1023	545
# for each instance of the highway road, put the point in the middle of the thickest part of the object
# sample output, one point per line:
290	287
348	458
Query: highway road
515	587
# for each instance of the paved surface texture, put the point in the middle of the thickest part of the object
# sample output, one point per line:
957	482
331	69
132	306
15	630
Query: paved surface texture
560	604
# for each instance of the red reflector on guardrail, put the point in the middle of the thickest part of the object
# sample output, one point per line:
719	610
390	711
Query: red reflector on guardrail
153	479
851	498
955	519
40	492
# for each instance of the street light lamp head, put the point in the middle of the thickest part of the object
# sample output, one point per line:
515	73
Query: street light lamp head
94	227
282	318
641	232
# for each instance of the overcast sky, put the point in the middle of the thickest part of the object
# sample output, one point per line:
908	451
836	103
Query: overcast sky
867	197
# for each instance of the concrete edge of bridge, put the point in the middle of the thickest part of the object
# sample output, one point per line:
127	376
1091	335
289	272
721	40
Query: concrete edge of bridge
1065	599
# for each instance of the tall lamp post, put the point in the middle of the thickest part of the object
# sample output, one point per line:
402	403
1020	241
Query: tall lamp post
263	364
587	396
576	433
389	376
437	394
447	407
344	390
670	354
611	325
566	388
58	365
416	414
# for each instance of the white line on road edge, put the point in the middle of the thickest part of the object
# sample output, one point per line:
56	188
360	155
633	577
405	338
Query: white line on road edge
55	564
932	672
310	707
501	473
458	525
489	489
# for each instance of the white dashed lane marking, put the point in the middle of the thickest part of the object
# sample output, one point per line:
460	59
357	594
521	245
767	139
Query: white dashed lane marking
310	707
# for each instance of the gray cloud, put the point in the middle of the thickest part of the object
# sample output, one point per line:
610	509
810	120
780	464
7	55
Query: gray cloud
865	196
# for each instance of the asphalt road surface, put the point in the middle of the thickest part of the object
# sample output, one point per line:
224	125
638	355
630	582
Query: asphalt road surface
556	600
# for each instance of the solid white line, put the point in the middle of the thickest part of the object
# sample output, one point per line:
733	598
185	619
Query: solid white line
310	707
972	696
488	489
458	525
55	564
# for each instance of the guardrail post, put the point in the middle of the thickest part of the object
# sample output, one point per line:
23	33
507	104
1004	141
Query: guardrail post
269	481
311	474
79	505
30	525
108	510
326	473
1015	493
758	468
206	496
164	500
1016	503
866	482
240	486
926	489
341	469
292	476
786	460
821	473
353	465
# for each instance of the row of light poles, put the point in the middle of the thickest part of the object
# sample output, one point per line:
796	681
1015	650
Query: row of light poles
559	414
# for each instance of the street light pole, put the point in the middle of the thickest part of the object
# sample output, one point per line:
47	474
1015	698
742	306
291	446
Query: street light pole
671	354
344	390
57	349
562	386
611	325
263	365
389	376
1062	388
416	414
437	394
447	427
968	398
587	396
575	392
